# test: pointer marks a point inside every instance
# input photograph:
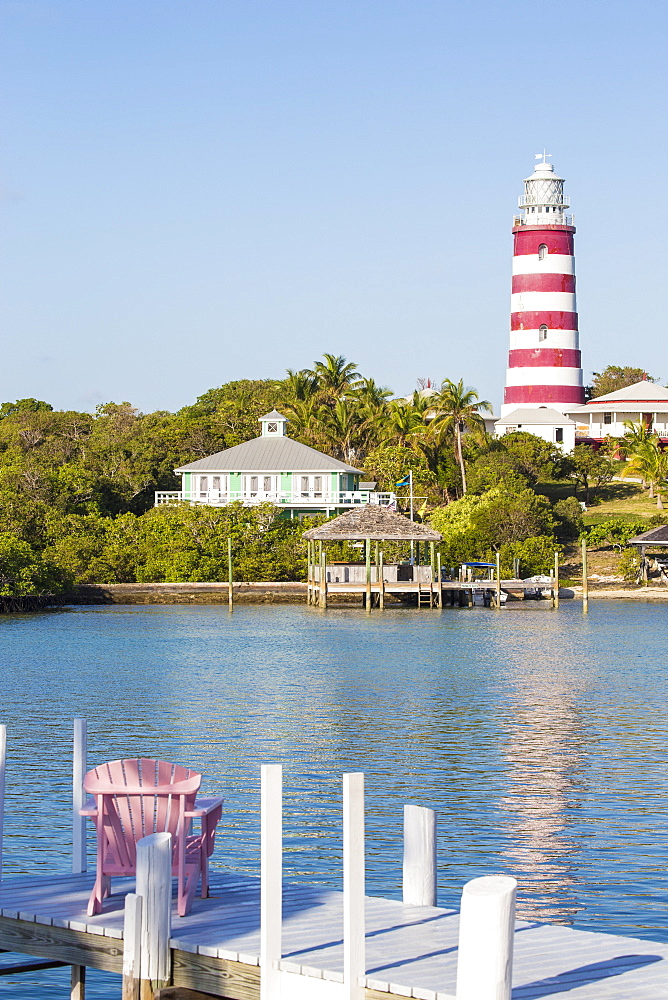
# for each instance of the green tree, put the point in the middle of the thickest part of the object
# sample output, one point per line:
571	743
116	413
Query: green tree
589	470
456	410
616	377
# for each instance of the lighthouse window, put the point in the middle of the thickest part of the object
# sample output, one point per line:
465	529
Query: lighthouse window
542	252
542	332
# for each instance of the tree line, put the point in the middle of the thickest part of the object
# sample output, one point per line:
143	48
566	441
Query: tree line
77	489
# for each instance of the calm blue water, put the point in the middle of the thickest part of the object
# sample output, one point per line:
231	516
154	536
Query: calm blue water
539	736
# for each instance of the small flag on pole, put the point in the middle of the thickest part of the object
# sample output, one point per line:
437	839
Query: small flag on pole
404	482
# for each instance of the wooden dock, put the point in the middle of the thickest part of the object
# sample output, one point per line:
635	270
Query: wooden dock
411	951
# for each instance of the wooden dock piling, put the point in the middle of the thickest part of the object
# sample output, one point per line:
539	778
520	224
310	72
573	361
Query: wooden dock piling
419	866
154	885
585	581
230	577
486	932
555	592
131	946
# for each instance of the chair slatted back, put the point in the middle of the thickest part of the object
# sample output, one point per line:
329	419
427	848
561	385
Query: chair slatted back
140	796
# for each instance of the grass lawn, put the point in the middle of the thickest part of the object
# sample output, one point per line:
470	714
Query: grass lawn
617	499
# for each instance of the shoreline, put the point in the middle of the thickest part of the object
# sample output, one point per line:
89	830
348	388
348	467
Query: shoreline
280	592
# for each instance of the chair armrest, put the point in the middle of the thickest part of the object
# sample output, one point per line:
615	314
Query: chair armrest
203	807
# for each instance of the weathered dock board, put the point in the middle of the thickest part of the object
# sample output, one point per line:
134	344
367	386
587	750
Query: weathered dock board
411	950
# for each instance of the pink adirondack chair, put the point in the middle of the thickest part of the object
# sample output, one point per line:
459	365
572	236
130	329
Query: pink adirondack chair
134	798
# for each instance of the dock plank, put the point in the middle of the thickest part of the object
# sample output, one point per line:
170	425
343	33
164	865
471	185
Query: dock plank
411	951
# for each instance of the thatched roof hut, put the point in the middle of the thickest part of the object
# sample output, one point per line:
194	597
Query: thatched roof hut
374	522
655	536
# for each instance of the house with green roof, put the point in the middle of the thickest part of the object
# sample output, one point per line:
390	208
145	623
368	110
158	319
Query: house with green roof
274	468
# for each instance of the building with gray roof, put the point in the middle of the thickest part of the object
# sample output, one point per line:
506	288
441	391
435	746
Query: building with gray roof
276	469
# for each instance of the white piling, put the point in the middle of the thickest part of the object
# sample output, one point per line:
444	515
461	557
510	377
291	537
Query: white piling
79	758
154	885
419	872
354	957
271	879
131	946
3	764
486	929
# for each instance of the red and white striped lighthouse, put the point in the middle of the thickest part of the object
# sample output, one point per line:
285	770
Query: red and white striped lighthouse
544	367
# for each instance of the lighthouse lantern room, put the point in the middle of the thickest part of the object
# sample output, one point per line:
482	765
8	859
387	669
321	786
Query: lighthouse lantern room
544	367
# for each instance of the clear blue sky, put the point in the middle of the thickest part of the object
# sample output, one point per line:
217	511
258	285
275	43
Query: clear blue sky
195	191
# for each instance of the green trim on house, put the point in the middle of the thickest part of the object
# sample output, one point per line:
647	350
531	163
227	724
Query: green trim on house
187	476
235	482
286	480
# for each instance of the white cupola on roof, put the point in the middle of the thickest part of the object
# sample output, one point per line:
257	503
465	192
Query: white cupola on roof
273	424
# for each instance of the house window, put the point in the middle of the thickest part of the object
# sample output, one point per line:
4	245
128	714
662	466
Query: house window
559	435
317	486
272	428
253	485
542	250
215	483
542	332
266	484
510	430
304	486
203	485
607	418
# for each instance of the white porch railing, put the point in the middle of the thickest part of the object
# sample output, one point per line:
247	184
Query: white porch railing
297	498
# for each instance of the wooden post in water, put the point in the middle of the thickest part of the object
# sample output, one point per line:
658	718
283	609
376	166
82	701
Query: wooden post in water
555	599
79	758
419	870
439	592
376	564
585	581
498	579
486	929
381	580
271	879
324	578
367	600
3	765
308	572
354	958
154	885
230	577
432	572
131	946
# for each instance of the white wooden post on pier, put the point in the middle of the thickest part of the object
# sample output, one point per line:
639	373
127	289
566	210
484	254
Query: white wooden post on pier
131	946
419	870
354	955
154	885
3	764
486	929
79	758
271	879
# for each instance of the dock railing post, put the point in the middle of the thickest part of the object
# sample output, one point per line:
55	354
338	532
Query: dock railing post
271	879
3	765
419	871
439	592
354	955
154	885
131	946
498	580
79	764
486	930
368	573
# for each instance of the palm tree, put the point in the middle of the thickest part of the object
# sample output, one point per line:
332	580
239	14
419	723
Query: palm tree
651	463
456	409
301	384
335	375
